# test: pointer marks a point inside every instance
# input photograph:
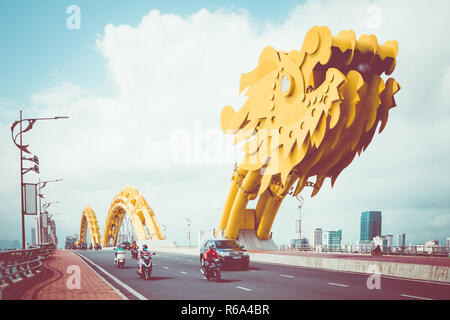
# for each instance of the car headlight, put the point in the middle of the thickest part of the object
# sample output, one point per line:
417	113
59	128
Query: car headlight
245	253
224	254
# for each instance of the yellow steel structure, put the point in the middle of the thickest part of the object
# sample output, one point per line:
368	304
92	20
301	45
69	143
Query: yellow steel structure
308	113
88	219
129	201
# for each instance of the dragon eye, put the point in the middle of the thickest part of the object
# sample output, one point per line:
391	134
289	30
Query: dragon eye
287	85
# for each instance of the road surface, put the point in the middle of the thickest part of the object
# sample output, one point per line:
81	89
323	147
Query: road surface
177	277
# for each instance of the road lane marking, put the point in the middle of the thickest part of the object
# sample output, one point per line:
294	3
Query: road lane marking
242	288
415	297
131	290
183	272
286	276
189	260
338	284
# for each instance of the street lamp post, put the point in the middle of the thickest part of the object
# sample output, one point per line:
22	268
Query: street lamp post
24	148
189	230
41	186
47	218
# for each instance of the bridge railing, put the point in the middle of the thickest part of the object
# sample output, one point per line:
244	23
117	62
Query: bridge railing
416	250
19	265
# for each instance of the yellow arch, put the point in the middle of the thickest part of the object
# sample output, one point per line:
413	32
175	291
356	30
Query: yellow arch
88	219
130	201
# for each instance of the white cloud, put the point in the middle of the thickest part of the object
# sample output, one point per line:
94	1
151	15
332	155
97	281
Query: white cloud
171	72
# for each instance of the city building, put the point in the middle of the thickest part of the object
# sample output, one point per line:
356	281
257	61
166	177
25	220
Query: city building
316	238
432	243
301	244
401	240
70	241
447	244
370	225
16	244
331	240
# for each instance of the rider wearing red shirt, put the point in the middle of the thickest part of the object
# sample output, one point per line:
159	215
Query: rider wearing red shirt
211	254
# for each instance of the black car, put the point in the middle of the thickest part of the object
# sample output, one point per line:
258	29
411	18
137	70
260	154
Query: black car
231	252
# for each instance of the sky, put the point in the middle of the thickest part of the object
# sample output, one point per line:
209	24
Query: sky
144	82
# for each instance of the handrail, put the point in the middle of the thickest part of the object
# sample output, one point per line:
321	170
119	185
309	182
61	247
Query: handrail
19	265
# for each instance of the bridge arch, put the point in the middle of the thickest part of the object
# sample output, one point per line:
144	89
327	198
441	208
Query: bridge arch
89	220
129	201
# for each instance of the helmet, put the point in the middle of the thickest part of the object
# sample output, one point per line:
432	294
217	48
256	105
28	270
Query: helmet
144	247
211	246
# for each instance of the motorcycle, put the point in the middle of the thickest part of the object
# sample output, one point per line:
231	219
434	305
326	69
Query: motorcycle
147	266
134	253
212	270
119	259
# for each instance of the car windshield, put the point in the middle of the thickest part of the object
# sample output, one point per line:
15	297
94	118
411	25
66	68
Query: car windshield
227	244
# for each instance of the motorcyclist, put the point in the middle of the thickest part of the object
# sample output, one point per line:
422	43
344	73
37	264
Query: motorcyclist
117	250
134	248
377	251
142	253
210	255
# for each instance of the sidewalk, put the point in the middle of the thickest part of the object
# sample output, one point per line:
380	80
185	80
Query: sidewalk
60	281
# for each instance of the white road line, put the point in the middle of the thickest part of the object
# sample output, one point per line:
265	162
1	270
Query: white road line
242	288
183	272
286	276
189	260
338	284
131	290
165	267
415	297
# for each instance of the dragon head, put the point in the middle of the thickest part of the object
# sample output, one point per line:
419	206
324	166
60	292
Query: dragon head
309	112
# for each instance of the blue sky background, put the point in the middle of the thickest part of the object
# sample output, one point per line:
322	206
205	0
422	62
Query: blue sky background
39	51
115	88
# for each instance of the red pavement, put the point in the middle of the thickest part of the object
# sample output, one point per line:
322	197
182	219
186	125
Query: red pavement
434	261
59	278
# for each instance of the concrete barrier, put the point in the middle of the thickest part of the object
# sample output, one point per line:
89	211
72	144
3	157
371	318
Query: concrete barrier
394	269
403	270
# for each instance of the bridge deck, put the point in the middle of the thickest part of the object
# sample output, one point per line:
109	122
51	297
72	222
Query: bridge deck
59	281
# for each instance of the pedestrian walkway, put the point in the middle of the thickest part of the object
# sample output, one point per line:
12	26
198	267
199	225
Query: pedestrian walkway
67	277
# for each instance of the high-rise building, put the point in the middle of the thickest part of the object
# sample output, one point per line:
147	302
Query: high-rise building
332	240
316	237
370	225
447	244
401	240
16	244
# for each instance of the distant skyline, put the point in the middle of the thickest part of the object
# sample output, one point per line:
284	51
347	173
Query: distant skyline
138	73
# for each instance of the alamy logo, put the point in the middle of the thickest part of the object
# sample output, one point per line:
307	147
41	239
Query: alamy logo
374	281
74	20
74	280
373	17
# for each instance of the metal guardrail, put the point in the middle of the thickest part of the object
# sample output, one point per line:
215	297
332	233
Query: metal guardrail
19	265
417	250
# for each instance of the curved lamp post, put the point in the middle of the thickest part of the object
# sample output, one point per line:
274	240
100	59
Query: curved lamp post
17	139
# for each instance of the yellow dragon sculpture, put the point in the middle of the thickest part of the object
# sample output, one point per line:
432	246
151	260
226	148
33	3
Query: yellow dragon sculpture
308	113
